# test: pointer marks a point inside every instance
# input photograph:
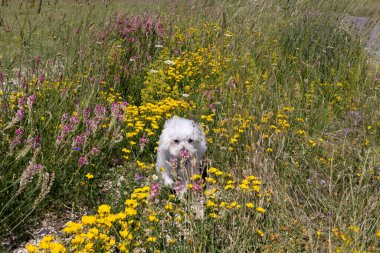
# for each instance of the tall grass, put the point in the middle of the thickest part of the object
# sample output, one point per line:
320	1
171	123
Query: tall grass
284	91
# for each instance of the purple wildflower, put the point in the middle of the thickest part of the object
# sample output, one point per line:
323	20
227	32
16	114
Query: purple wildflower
37	167
16	140
197	186
64	117
20	114
31	100
42	78
116	111
83	160
154	190
95	150
21	102
184	153
36	140
19	131
79	140
99	111
138	177
66	129
74	120
87	112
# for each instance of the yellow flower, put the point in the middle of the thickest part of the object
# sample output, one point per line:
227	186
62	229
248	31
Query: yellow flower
229	186
260	210
378	233
301	132
131	203
213	215
153	218
233	204
89	176
88	220
169	207
261	233
78	239
103	209
210	180
354	228
195	177
31	248
126	234
249	205
151	239
210	203
45	242
89	247
244	186
72	227
56	247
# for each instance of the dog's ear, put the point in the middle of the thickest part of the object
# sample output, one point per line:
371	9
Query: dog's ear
201	137
164	141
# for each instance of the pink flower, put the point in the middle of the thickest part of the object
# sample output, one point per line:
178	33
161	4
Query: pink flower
66	129
83	160
184	153
16	140
95	151
20	114
31	100
154	190
35	141
64	117
87	112
79	140
19	131
100	111
197	186
74	120
41	78
21	102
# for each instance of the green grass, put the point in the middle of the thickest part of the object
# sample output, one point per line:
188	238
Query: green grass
283	89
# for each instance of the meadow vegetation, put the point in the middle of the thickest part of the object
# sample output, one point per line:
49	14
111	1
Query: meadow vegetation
286	94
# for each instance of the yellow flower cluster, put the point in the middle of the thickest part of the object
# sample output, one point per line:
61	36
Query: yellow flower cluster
142	221
180	76
145	120
97	233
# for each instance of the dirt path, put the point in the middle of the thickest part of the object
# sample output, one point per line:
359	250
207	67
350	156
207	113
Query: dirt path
369	29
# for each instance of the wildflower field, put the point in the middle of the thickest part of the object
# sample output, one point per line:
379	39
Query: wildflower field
286	94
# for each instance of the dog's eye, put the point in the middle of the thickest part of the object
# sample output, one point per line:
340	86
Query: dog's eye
191	140
176	141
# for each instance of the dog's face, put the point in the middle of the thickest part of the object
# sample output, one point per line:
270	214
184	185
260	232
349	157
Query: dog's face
182	138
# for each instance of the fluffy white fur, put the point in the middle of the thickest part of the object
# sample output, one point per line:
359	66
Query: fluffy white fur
180	136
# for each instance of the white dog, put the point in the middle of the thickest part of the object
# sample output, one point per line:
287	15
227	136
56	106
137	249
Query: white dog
181	147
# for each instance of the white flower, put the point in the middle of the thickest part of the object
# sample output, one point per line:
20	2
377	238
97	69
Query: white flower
155	177
185	95
153	71
159	46
169	62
